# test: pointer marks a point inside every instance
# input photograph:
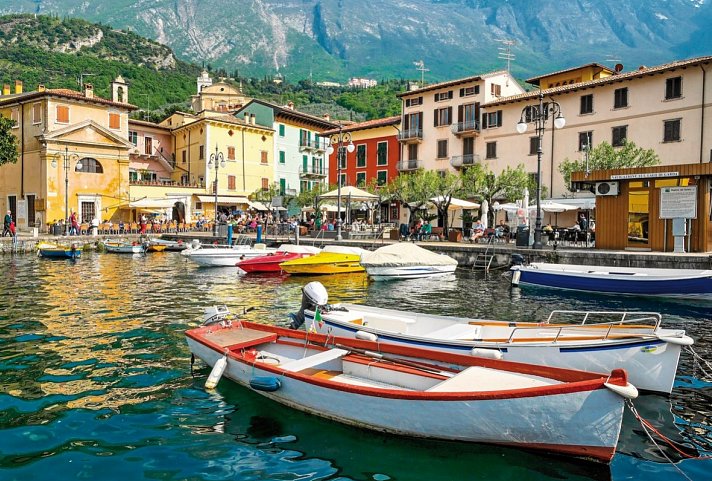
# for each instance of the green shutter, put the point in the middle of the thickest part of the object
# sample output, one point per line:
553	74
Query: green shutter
281	157
305	163
281	130
282	186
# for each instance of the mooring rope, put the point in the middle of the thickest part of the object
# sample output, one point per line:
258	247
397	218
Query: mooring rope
701	363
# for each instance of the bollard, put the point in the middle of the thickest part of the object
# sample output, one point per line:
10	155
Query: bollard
229	234
259	234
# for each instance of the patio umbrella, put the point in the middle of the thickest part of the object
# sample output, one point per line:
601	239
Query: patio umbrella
354	193
554	208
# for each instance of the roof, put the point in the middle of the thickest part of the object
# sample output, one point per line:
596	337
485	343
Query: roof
535	80
63	93
641	72
369	124
450	83
144	123
226	119
291	113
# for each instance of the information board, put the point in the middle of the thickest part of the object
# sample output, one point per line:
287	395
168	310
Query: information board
678	202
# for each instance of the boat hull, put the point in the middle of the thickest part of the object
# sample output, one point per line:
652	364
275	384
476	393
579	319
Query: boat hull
268	263
58	252
224	257
627	282
496	417
651	362
125	249
324	263
408	272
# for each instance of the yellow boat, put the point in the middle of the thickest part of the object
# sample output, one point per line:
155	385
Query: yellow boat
331	260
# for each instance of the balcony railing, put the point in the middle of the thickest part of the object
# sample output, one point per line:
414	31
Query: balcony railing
413	164
313	171
290	192
466	127
458	161
410	134
312	144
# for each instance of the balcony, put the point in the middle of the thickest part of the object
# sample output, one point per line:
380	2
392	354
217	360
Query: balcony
407	165
411	135
459	161
313	172
312	145
290	192
467	128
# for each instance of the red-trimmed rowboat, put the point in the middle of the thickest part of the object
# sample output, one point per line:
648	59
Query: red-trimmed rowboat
419	392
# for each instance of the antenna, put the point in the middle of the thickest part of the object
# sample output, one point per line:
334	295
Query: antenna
80	80
420	65
505	52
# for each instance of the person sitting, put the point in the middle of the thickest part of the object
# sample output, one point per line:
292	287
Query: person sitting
548	229
425	231
478	230
501	232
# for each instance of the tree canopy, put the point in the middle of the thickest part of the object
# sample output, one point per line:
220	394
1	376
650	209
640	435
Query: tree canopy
8	142
482	184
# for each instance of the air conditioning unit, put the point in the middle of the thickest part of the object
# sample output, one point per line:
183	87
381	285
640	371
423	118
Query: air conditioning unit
606	188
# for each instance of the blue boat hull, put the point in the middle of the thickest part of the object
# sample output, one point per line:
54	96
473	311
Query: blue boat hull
60	253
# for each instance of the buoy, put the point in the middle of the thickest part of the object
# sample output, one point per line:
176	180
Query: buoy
366	336
265	383
515	278
487	353
216	373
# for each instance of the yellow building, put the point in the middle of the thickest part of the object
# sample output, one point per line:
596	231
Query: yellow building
73	154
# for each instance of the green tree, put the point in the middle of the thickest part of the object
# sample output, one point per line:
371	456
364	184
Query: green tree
266	196
605	156
445	186
482	184
8	142
413	190
311	197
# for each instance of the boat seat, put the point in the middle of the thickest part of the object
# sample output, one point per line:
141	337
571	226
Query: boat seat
314	360
457	331
477	378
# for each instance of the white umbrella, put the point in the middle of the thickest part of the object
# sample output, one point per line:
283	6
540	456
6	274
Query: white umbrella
483	213
457	203
354	193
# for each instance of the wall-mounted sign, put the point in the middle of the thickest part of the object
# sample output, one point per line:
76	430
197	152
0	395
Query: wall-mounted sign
652	175
678	202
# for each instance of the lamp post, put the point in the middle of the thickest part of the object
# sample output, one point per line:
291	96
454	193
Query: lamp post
217	160
538	115
68	159
339	140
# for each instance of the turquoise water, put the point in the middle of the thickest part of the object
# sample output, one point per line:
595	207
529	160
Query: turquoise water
96	381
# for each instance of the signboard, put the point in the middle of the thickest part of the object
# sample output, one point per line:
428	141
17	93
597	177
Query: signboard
678	202
652	175
22	209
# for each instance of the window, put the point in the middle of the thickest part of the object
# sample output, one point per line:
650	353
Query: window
382	153
441	96
36	114
496	90
533	145
342	180
671	131
382	177
467	91
585	140
620	98
62	114
412	151
148	145
360	179
88	211
620	134
114	121
468	146
414	101
492	119
265	183
673	88
15	117
442	149
133	176
361	155
586	104
90	166
443	116
413	122
491	150
282	157
201	152
183	156
281	130
231	182
133	137
231	153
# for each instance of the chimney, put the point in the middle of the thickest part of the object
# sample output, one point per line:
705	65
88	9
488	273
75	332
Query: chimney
327	117
252	119
6	89
247	118
41	88
18	86
290	104
89	91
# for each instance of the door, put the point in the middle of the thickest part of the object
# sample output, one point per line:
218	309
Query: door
12	206
31	217
638	215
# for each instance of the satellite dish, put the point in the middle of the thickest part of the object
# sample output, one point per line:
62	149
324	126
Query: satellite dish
618	67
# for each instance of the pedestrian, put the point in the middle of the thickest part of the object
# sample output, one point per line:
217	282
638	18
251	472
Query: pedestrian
143	223
13	233
74	224
6	224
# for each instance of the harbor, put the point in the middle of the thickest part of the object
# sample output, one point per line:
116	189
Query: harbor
96	347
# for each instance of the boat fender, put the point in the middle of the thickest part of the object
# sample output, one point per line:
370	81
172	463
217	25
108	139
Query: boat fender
628	391
366	336
516	275
216	373
682	340
265	383
486	353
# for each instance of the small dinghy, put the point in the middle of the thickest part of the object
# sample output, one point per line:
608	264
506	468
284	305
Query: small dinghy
125	247
56	251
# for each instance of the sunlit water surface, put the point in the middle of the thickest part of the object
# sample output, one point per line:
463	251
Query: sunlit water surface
96	381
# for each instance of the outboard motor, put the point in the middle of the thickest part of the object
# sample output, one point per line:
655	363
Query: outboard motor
517	260
313	295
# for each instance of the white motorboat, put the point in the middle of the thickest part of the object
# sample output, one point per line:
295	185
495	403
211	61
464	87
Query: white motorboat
125	247
406	260
598	341
225	256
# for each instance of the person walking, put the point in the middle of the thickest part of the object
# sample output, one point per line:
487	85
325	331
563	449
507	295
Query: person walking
74	224
13	232
6	224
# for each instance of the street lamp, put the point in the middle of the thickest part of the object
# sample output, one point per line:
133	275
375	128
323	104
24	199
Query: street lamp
339	140
216	160
68	159
538	115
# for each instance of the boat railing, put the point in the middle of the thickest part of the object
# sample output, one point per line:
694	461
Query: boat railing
616	317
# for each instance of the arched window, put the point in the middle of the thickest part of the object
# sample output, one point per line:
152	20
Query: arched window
90	166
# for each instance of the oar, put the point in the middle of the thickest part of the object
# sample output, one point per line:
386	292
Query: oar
396	360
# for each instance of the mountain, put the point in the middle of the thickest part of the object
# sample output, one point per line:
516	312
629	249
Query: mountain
335	39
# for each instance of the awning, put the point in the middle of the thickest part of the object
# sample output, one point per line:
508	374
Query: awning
584	203
457	203
258	205
223	199
151	203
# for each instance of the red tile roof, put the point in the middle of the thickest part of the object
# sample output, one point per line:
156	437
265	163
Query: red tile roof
64	93
369	124
450	83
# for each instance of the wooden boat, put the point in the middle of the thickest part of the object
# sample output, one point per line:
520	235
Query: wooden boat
56	251
125	247
331	260
225	256
679	283
271	262
419	392
406	261
156	247
590	341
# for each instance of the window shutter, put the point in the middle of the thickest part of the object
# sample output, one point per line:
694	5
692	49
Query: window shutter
449	94
406	122
420	120
435	118
462	92
459	112
435	97
449	114
420	100
499	118
484	120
